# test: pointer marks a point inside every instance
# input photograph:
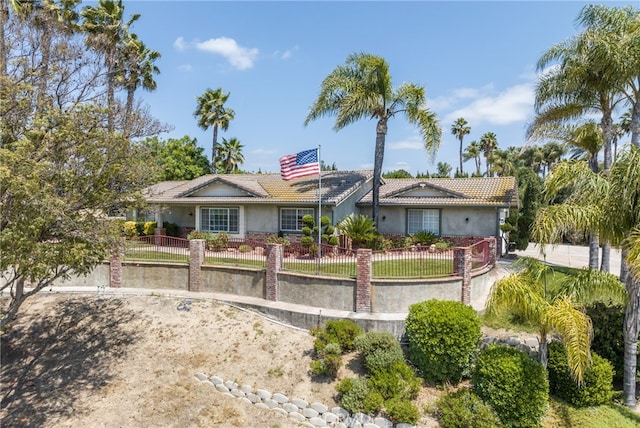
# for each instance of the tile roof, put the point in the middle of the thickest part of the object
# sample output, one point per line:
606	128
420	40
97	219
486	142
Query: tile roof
262	188
493	191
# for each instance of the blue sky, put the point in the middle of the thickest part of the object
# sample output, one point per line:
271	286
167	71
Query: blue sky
475	60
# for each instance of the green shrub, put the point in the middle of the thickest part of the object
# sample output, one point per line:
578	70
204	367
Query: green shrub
172	229
382	359
608	335
149	227
219	241
275	239
464	409
597	385
398	381
374	340
140	228
129	229
443	338
328	366
333	240
244	248
197	234
307	232
354	392
513	383
424	237
342	332
402	411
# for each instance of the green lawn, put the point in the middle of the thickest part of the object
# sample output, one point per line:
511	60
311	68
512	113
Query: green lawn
155	256
561	415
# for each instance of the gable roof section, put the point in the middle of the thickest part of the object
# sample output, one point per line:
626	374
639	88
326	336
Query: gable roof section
259	189
441	192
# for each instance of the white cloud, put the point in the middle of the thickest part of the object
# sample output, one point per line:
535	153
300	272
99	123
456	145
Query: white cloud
185	67
514	104
180	45
238	56
411	143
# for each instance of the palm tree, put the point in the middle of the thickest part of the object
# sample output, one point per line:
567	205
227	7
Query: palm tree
107	33
139	63
459	129
211	112
594	198
533	157
230	156
362	88
557	311
488	142
473	151
552	153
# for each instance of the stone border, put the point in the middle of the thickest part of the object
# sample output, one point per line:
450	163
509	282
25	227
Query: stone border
312	415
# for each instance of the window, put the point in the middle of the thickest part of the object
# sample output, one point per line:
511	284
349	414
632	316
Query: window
428	220
219	220
291	218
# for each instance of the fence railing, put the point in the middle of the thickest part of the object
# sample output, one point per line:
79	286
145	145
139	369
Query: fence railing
480	255
157	248
237	252
413	262
333	260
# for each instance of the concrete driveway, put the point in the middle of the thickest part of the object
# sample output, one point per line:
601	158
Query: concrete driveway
569	255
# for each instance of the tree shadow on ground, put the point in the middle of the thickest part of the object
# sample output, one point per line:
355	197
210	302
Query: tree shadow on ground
50	359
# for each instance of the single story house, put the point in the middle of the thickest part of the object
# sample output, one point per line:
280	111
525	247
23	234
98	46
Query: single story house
254	206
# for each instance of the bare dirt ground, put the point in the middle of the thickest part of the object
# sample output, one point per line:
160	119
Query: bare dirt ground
91	361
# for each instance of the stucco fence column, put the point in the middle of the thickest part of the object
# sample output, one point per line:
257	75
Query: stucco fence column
196	260
462	266
493	250
363	280
274	265
115	265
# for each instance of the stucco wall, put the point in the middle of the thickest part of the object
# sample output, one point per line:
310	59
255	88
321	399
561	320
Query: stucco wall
397	296
321	292
241	282
147	275
482	222
98	277
261	219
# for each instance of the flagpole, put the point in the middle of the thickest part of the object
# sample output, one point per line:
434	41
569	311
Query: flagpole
319	209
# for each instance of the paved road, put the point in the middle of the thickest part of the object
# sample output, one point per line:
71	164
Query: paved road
569	255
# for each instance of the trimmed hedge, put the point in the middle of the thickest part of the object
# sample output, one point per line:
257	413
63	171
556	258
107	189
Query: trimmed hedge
597	385
443	338
464	409
513	384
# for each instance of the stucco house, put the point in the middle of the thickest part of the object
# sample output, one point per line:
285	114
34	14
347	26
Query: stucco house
253	206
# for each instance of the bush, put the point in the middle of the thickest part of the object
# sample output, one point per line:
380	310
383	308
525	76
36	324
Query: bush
597	385
443	338
423	237
329	362
342	332
374	340
608	335
356	396
197	234
130	230
398	381
171	228
275	239
244	248
464	409
219	241
513	383
402	411
149	227
382	359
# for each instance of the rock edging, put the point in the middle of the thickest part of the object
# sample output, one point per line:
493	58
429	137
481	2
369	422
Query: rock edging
312	415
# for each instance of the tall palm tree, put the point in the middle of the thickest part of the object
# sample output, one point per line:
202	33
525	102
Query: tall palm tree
555	311
211	112
614	34
107	33
532	157
362	88
230	156
488	142
459	129
473	151
594	198
552	153
139	69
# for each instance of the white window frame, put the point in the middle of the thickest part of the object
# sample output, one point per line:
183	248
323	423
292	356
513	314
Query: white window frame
227	229
299	213
429	220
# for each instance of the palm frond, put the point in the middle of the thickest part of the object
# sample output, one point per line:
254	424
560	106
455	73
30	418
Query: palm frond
518	293
632	244
590	284
554	221
575	329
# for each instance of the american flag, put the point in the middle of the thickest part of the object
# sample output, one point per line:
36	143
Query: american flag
299	164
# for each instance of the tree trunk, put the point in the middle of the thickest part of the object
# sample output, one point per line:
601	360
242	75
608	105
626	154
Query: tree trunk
605	265
214	149
635	124
543	350
17	297
381	132
461	157
624	268
594	248
607	125
631	340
